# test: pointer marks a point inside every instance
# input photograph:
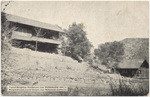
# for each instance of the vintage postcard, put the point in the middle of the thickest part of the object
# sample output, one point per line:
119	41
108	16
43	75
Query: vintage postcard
74	48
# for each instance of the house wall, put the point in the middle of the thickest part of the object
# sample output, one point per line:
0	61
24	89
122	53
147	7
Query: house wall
50	48
49	34
136	73
28	31
127	72
43	47
142	73
23	28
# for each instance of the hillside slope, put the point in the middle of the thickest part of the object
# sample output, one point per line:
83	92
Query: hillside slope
136	48
44	68
31	68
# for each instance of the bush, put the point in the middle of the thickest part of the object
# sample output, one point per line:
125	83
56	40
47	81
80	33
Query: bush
129	90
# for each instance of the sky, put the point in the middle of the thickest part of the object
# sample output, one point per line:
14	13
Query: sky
104	21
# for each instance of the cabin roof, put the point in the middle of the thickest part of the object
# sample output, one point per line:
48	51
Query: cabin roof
130	64
26	21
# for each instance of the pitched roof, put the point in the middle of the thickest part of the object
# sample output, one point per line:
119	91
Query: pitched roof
130	64
26	21
145	64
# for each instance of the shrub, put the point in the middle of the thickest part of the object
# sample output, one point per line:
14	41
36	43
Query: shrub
124	89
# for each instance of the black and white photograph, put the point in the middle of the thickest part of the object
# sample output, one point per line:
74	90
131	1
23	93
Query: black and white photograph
74	48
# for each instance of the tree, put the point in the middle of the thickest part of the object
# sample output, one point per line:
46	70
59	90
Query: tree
78	46
64	44
38	31
110	53
6	41
6	30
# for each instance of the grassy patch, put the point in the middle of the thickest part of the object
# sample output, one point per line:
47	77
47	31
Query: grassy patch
132	89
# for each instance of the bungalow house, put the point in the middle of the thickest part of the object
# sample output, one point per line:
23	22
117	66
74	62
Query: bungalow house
134	68
31	33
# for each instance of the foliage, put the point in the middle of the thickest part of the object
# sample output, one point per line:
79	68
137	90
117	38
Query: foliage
110	53
136	48
128	90
6	41
89	59
64	44
78	46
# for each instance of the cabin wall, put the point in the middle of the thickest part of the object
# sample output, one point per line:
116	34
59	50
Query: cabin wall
46	47
49	34
142	73
127	72
26	32
24	28
42	47
136	73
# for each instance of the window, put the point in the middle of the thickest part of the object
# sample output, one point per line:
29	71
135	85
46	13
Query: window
139	71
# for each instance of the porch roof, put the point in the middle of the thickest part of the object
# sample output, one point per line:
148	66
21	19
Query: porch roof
29	37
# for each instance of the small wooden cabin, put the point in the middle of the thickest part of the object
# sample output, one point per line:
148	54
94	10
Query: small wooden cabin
25	36
134	68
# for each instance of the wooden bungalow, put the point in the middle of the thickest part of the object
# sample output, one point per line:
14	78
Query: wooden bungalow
134	68
25	36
